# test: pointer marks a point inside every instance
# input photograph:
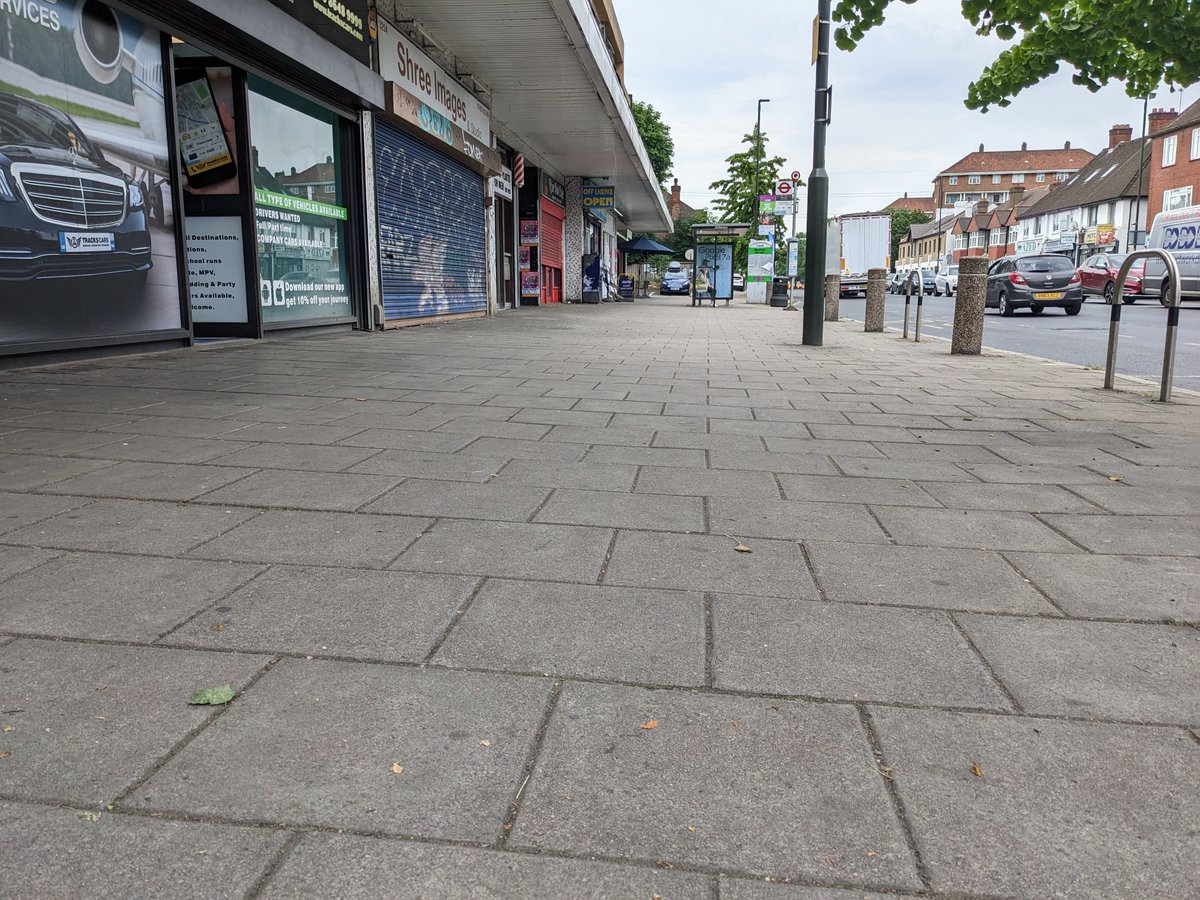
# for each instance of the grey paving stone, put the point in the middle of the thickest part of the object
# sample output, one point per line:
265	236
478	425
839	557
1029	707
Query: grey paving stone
794	520
353	867
764	428
305	457
131	526
150	481
18	510
94	718
959	453
1117	587
183	426
615	510
1142	535
53	443
103	597
453	499
1001	473
1049	498
550	473
304	490
709	412
510	550
846	652
706	482
709	563
645	456
618	634
861	433
435	466
15	560
840	489
576	416
394	439
486	428
1062	808
156	448
862	449
512	449
673	424
976	529
745	889
684	440
795	463
316	539
63	418
315	743
274	432
924	576
756	779
22	472
912	469
394	616
127	856
1179	499
1101	670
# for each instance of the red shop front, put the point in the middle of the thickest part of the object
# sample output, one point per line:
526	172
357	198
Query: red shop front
553	213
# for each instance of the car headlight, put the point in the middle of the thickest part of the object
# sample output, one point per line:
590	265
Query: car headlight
135	196
6	192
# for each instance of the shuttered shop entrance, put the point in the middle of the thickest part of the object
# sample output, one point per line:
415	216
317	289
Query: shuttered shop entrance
431	230
552	251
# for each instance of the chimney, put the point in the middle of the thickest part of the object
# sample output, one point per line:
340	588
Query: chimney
1024	146
1015	193
981	148
675	201
1119	134
981	206
293	171
1160	119
1067	145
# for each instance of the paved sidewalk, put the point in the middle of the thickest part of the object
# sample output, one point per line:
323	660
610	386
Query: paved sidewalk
482	593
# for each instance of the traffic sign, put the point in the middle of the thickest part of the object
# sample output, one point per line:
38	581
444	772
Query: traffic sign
795	176
784	189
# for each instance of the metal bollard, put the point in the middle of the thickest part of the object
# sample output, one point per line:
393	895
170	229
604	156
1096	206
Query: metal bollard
969	300
1114	324
876	284
833	295
920	305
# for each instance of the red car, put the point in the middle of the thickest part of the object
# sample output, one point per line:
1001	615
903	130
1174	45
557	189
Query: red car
1098	275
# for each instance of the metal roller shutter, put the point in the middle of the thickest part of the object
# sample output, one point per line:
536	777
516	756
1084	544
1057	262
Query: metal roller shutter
552	235
431	229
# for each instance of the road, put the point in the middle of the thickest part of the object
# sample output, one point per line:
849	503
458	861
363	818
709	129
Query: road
1081	339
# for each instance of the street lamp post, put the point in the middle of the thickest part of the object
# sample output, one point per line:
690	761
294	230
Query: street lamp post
818	189
757	158
1135	231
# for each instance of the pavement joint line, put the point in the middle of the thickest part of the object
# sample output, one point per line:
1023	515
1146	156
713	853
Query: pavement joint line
531	761
537	511
209	606
986	663
457	617
637	475
215	537
779	486
1040	517
1006	555
710	645
612	544
812	573
213	716
278	858
878	521
884	772
1101	509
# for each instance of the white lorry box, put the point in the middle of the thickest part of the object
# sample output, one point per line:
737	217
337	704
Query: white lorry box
1177	232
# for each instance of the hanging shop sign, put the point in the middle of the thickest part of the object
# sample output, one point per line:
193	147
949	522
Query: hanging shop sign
402	61
554	191
1099	235
599	196
502	184
420	118
341	22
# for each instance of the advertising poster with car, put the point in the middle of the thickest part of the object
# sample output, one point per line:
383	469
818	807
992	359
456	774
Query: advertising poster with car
719	259
86	219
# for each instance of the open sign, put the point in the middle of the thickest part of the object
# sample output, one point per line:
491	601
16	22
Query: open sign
599	196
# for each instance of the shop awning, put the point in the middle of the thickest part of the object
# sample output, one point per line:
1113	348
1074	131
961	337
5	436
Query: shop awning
554	85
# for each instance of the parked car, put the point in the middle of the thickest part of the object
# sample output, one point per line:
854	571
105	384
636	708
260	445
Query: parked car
675	282
928	281
1178	232
739	281
1098	277
1035	282
946	281
895	283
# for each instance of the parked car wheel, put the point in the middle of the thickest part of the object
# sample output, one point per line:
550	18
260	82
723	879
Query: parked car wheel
1037	310
1109	287
937	292
1129	301
1073	309
1002	305
1164	296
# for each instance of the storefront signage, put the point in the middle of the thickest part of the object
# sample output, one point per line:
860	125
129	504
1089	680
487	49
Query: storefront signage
531	284
426	119
402	61
216	268
1099	235
553	190
599	196
341	22
529	231
298	204
502	184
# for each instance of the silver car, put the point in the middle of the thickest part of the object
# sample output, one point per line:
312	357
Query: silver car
946	281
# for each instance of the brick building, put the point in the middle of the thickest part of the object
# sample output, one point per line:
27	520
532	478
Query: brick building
992	174
1174	160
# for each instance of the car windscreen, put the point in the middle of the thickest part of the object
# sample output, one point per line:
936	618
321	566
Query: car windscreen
29	125
953	270
1045	264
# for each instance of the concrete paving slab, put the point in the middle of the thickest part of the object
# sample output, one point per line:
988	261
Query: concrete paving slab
975	529
709	563
476	428
550	473
316	742
37	441
434	466
354	867
19	510
131	526
794	463
777	429
1003	473
519	449
395	439
1117	587
15	560
706	482
512	502
510	550
393	616
1101	670
911	469
1034	498
94	718
745	889
107	597
924	576
684	440
304	490
617	634
277	433
845	652
614	510
861	449
841	489
754	779
1062	808
645	456
794	520
958	453
613	437
24	472
154	448
128	856
305	457
150	481
182	426
1139	535
1179	499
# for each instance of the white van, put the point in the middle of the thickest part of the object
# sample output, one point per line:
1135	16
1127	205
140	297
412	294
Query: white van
1177	232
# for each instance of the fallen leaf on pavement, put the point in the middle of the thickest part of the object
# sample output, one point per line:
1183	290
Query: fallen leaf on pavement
692	829
7	729
396	768
976	771
220	626
742	548
4	754
213	696
649	726
90	816
1116	477
485	743
361	399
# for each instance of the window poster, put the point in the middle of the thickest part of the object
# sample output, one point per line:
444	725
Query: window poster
87	240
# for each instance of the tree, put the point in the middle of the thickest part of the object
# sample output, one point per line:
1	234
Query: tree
656	135
902	220
737	201
1140	43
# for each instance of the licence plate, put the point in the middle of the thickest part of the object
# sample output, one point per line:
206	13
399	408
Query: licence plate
86	242
1048	296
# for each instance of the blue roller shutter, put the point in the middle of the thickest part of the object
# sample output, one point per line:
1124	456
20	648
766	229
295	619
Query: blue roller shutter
431	231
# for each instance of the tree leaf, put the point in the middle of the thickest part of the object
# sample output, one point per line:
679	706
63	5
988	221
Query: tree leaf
742	548
213	696
976	770
649	726
395	768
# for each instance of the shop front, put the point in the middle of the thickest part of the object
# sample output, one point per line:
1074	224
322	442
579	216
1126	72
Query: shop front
552	207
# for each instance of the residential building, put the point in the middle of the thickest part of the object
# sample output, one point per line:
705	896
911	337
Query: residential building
992	174
1175	162
991	229
916	204
925	244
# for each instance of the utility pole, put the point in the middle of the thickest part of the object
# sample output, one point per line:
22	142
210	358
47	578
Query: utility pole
818	188
1137	201
757	157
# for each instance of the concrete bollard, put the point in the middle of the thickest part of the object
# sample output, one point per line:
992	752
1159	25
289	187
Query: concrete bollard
876	285
833	294
968	305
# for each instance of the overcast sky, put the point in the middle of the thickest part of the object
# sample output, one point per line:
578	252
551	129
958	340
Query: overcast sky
898	113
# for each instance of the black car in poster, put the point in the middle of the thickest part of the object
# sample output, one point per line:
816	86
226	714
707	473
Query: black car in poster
65	210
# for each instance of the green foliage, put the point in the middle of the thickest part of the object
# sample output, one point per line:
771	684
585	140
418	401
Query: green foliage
737	201
213	696
1135	41
656	135
902	219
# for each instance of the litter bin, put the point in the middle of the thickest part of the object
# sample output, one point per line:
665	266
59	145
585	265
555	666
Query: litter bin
779	291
